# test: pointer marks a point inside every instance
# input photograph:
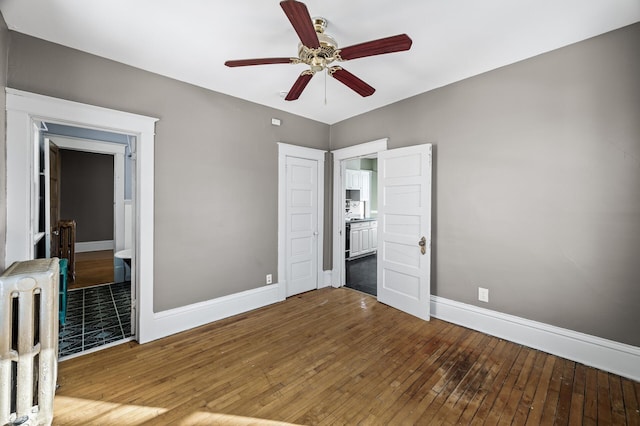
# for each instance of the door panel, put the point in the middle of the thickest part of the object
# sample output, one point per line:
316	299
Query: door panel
404	217
302	217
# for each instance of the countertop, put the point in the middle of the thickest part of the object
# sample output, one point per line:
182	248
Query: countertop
368	219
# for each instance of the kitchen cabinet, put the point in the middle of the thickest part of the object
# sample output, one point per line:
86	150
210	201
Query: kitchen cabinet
354	240
362	181
363	238
353	179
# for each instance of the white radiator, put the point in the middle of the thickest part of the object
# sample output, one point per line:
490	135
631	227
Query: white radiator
28	342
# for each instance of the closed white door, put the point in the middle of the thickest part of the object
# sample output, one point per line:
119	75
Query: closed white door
404	229
302	225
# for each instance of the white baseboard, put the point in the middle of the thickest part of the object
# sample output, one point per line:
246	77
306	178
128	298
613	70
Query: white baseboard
615	357
173	321
94	246
334	282
593	351
327	279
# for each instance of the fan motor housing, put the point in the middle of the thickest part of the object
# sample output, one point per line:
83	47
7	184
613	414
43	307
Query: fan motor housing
319	58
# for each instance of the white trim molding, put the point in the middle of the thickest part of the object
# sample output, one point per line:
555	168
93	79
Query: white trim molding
85	246
615	357
187	317
24	109
327	278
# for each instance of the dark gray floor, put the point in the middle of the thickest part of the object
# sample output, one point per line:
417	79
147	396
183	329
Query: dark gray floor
96	316
362	274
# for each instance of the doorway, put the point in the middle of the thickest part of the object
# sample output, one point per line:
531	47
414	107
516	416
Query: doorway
361	224
98	193
24	111
94	193
347	242
403	251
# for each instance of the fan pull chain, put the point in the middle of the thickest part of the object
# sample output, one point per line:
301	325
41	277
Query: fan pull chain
325	87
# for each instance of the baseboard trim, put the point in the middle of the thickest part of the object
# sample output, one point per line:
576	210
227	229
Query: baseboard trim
86	246
608	355
184	318
327	279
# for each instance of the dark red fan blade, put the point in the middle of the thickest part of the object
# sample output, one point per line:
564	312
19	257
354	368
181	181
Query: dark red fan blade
381	46
353	82
299	17
261	61
298	87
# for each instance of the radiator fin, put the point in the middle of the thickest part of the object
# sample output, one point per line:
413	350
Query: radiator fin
29	341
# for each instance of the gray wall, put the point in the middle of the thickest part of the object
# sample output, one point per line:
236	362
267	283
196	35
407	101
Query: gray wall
4	53
536	184
86	193
215	166
535	177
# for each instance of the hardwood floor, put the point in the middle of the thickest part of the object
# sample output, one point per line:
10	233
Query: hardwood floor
93	268
336	356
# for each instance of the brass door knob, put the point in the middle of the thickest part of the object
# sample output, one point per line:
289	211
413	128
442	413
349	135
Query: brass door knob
423	245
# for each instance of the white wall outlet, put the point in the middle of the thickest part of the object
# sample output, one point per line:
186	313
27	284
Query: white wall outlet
269	278
483	294
275	121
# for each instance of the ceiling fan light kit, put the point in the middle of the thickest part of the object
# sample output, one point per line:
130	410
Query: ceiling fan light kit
318	51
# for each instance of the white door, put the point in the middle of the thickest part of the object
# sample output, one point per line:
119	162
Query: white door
404	229
302	225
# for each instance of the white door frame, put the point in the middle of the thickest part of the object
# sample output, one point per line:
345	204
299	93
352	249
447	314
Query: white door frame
339	156
284	151
23	109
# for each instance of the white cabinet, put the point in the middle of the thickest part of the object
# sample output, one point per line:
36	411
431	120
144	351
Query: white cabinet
353	179
354	242
358	179
374	236
363	238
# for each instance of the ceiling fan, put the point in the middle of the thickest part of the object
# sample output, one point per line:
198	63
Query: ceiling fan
319	50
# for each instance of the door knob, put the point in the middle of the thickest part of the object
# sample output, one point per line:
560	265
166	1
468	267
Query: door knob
423	245
55	232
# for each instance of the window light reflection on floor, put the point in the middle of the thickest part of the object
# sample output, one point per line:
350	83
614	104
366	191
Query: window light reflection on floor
204	418
90	412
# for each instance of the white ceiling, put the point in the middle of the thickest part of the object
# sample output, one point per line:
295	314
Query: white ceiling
189	41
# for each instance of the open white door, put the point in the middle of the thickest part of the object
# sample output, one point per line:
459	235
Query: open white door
302	225
404	229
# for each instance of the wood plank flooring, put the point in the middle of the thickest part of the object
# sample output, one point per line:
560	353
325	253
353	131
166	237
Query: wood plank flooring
93	268
336	356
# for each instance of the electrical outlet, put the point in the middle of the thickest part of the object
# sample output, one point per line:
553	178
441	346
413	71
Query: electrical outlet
269	279
483	294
